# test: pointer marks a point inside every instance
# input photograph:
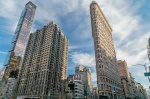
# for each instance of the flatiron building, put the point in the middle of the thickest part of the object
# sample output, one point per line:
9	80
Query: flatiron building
108	79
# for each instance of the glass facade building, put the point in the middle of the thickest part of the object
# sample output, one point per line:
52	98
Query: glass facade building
23	29
20	39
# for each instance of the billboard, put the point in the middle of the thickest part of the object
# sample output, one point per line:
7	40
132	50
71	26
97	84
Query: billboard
77	77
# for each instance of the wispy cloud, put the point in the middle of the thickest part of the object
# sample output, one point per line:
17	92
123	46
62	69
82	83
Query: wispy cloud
1	52
94	77
83	59
10	10
5	31
73	47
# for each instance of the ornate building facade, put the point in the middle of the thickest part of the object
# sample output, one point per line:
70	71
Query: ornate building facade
108	79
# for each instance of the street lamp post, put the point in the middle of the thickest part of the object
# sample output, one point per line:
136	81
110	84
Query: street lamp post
144	67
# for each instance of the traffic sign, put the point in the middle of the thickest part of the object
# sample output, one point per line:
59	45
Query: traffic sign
147	74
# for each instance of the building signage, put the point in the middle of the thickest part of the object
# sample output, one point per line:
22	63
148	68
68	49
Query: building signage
77	77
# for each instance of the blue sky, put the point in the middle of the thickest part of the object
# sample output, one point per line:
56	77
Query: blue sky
129	19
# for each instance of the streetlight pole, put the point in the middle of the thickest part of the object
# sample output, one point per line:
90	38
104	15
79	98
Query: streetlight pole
144	67
146	71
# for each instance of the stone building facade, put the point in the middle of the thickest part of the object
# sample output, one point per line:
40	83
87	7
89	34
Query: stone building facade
108	79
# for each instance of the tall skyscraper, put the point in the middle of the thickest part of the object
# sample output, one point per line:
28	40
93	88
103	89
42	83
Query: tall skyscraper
44	68
19	41
108	79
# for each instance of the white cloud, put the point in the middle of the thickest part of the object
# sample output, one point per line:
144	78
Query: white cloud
122	19
72	47
83	59
1	52
10	10
94	77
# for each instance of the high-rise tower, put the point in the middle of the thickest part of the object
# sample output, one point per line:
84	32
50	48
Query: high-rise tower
19	41
108	79
44	66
